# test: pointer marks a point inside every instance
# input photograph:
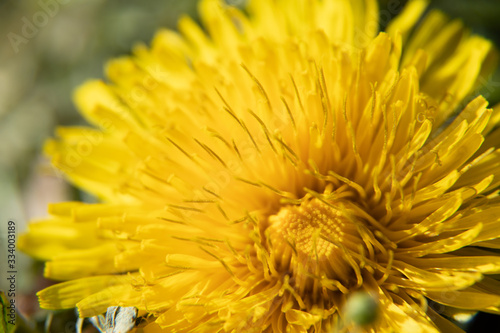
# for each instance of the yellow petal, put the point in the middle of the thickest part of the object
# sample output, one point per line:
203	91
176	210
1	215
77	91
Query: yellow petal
465	299
301	318
483	264
428	280
65	295
407	18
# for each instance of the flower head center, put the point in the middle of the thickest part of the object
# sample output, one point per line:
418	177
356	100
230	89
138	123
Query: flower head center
315	237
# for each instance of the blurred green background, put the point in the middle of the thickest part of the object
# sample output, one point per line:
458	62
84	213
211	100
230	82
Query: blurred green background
48	48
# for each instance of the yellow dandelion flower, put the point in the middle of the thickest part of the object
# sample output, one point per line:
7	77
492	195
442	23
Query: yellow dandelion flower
255	176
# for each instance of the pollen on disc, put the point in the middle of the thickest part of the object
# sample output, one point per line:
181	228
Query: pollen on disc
316	235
